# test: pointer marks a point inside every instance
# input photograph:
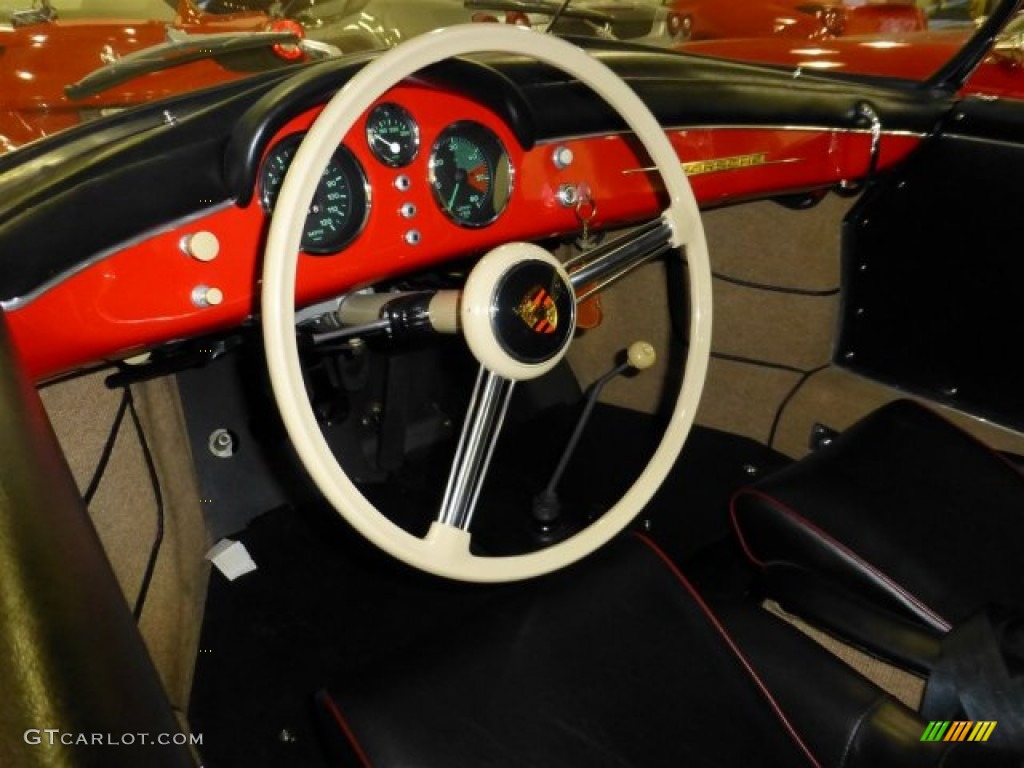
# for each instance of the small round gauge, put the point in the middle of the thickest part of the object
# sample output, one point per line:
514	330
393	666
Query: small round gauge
471	174
393	135
340	203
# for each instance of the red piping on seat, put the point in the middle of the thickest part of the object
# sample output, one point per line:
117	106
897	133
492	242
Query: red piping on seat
739	534
339	718
829	541
733	647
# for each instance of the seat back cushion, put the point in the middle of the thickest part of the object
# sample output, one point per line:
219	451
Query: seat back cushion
904	510
614	662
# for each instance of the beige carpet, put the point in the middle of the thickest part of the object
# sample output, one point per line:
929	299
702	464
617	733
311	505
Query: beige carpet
903	685
124	510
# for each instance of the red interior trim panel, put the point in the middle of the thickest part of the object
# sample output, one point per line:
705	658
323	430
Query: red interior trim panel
208	267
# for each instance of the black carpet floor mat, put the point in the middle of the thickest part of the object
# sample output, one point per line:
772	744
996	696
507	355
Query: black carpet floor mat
324	604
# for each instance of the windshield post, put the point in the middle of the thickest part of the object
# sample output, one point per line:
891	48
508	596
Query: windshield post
958	69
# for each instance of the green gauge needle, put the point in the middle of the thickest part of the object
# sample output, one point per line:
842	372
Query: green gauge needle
451	201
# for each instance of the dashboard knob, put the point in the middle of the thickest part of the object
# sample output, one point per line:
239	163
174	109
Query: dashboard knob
202	246
562	157
207	296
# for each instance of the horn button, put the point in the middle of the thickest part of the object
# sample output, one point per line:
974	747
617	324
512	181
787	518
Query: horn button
518	311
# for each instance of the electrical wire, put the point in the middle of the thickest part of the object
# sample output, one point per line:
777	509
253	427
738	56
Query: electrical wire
805	374
127	405
788	398
154	552
775	288
760	363
108	449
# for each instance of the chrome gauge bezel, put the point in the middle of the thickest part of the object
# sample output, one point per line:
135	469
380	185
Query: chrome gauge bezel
355	178
500	189
407	151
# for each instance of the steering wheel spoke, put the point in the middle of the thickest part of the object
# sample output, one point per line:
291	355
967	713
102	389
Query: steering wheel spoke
517	312
598	268
487	408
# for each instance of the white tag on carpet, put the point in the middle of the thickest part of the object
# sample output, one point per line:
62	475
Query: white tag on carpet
231	558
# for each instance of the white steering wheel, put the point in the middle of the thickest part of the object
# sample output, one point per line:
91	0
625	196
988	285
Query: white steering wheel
494	289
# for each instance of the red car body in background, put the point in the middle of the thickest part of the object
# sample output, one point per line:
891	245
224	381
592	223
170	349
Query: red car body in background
811	19
47	55
914	56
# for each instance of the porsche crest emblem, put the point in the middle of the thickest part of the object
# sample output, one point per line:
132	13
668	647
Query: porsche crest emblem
538	310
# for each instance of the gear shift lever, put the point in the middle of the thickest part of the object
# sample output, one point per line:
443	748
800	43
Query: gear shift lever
640	355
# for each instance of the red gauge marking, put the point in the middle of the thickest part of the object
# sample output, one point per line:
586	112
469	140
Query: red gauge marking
479	178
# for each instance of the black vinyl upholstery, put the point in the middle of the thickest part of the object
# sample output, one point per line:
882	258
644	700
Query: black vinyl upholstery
903	512
76	682
619	662
903	536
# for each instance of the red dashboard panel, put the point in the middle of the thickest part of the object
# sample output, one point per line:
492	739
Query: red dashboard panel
145	293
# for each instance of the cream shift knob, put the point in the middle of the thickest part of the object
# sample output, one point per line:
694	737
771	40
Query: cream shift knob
641	355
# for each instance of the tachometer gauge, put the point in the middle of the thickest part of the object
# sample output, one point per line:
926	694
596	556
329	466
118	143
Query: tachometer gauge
340	203
393	135
471	174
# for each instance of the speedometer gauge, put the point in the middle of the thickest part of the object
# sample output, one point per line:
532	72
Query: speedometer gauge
393	135
340	203
471	174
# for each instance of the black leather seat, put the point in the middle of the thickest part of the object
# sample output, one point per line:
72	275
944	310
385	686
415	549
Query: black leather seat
904	522
619	662
903	536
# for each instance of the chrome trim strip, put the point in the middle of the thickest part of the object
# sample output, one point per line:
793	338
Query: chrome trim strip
793	128
723	164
